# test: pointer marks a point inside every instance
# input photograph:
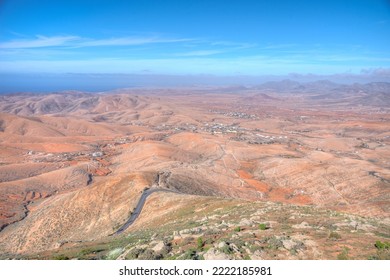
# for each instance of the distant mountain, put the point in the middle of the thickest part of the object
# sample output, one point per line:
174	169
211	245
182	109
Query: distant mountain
260	97
281	86
370	94
27	104
323	85
112	105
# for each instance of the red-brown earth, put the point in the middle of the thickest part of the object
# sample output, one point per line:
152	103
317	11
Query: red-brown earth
73	164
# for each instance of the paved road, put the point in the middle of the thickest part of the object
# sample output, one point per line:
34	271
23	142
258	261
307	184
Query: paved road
139	207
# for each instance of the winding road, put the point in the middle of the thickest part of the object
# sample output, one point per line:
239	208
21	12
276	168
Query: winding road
140	205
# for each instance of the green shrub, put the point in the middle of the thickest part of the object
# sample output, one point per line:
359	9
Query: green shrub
382	252
61	257
200	243
149	255
344	254
191	254
226	249
133	254
263	227
90	253
382	245
334	236
274	243
237	229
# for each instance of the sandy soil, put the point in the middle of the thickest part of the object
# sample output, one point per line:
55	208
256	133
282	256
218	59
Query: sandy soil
73	165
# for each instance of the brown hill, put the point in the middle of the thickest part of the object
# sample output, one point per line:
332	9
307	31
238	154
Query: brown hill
73	165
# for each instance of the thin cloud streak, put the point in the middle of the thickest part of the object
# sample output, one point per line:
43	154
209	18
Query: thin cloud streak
129	41
233	44
39	42
201	53
190	55
78	42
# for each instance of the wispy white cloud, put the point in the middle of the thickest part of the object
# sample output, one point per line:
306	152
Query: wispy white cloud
233	44
162	54
128	41
39	42
44	46
220	47
200	53
279	46
79	42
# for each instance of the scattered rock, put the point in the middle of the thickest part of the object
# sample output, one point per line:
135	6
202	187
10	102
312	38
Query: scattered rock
257	255
302	225
289	244
97	154
235	236
245	222
234	247
159	246
214	254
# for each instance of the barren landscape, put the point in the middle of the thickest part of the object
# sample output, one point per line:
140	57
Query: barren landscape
283	170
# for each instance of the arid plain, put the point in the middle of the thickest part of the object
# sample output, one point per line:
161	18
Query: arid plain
283	170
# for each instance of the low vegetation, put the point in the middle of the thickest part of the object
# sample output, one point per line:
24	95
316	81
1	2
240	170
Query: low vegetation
258	235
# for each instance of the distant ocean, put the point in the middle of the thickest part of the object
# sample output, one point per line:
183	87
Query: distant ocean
49	82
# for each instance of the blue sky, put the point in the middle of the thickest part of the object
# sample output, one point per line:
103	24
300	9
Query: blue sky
194	37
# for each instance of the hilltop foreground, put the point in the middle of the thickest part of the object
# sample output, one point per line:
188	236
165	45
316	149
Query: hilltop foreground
279	171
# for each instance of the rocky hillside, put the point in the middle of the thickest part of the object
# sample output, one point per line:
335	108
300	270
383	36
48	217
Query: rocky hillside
173	226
